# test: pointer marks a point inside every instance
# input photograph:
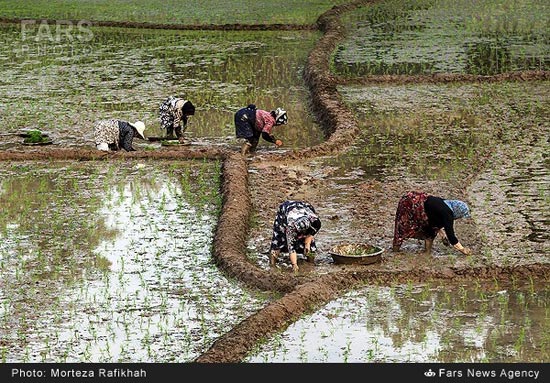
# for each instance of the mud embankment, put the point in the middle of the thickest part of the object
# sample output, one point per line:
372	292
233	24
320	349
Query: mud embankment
337	121
50	153
237	343
443	78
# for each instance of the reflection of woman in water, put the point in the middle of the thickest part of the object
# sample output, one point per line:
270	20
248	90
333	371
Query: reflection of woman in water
423	216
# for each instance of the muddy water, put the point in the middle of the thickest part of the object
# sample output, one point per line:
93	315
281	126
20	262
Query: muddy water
63	86
485	143
112	263
455	136
513	201
423	323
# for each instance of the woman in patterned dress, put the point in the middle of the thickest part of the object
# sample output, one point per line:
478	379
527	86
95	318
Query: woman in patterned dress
423	216
116	134
294	229
173	115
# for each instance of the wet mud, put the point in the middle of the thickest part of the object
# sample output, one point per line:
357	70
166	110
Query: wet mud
253	188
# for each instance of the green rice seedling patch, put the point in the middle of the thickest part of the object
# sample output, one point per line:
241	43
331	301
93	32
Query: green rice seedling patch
445	36
172	11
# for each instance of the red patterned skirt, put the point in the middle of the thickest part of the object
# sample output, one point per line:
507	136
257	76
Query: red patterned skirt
411	220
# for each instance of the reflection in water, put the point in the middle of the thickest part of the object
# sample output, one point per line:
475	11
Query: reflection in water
420	324
38	208
142	286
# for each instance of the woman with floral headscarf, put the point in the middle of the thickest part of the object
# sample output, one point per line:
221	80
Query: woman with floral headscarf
294	227
423	216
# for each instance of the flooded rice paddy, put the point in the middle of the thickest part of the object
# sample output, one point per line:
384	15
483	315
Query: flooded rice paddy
445	36
492	139
112	262
62	86
420	323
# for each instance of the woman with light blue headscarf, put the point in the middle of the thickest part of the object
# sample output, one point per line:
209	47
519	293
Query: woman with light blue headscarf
423	216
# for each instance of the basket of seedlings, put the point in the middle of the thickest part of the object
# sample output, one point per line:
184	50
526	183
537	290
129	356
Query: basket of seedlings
356	253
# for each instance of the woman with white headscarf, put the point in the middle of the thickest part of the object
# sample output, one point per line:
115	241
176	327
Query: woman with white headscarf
423	216
252	123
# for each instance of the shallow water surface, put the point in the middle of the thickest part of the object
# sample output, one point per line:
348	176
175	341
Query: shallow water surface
467	323
107	263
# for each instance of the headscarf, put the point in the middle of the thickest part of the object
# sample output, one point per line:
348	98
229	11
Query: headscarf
459	208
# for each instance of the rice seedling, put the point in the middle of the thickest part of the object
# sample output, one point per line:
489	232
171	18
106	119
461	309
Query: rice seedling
397	37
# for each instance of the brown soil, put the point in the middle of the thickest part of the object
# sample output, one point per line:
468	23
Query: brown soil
278	176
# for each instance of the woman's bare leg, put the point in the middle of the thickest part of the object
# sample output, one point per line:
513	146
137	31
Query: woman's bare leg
428	246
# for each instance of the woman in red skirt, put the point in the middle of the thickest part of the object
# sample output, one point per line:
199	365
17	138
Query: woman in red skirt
423	216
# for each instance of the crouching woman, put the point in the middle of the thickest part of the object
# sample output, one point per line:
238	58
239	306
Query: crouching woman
423	216
294	229
117	134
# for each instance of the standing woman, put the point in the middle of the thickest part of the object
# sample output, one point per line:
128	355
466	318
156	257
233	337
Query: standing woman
117	134
252	123
423	216
173	115
294	229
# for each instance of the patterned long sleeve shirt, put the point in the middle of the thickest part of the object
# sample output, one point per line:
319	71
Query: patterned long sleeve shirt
285	233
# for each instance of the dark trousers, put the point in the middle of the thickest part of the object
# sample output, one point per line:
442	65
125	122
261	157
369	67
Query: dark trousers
253	141
170	131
